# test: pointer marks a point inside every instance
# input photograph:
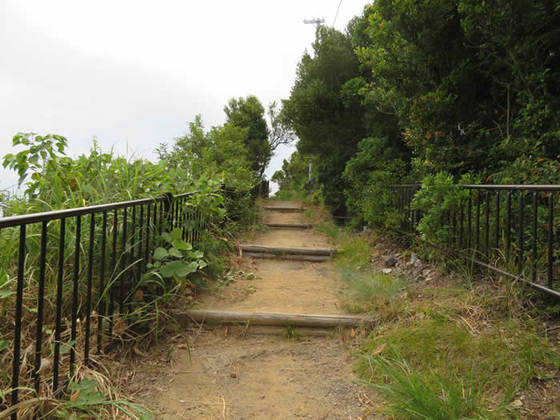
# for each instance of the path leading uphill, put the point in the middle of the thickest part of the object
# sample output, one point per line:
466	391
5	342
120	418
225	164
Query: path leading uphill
252	371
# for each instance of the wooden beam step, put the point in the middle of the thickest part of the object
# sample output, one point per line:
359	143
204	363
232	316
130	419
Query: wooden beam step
286	250
274	319
309	258
289	225
285	209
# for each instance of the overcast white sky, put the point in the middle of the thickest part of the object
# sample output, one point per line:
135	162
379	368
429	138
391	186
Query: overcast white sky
134	73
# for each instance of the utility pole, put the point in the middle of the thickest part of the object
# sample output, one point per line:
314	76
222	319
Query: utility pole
315	21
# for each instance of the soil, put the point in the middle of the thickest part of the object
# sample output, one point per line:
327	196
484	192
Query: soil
266	373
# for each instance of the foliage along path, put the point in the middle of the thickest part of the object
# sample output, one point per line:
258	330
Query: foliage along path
268	372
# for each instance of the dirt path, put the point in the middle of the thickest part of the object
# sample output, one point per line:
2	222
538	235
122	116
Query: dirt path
240	373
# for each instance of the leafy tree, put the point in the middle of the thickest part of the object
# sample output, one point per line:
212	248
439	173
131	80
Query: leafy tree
473	85
373	167
294	178
219	153
328	125
248	113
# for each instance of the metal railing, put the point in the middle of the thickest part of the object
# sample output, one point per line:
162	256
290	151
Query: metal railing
89	261
510	229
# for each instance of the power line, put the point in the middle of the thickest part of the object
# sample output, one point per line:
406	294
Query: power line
336	15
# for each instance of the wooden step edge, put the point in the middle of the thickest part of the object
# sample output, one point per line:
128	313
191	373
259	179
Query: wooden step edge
308	258
286	250
289	225
275	319
285	209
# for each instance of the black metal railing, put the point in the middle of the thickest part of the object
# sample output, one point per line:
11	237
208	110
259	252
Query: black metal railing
85	265
510	229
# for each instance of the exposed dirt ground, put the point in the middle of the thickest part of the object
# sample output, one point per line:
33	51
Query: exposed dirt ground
247	373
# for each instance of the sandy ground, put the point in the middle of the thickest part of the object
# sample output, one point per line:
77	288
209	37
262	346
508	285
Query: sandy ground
238	373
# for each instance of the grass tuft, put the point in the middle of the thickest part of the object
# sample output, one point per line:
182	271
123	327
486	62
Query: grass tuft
353	252
409	395
437	352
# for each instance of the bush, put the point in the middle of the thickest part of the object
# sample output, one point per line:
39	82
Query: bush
439	199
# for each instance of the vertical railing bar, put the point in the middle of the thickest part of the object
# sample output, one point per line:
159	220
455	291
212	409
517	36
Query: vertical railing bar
454	220
550	238
461	224
184	220
59	286
198	223
508	226
521	228
487	230
141	244
102	296
477	227
114	272
177	202
131	256
123	259
534	262
469	221
148	228
19	314
497	236
161	204
40	304
89	286
75	295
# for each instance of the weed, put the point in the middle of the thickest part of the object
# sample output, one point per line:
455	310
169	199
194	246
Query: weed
411	396
291	333
495	364
328	228
369	291
353	252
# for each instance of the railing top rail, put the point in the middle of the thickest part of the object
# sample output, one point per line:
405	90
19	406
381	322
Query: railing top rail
405	186
78	211
527	187
535	187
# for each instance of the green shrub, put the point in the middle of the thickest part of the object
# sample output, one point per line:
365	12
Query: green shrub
439	200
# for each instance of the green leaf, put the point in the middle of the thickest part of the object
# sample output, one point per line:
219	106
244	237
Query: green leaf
4	344
176	234
178	269
187	269
174	252
66	347
160	253
182	245
197	254
167	237
89	394
168	270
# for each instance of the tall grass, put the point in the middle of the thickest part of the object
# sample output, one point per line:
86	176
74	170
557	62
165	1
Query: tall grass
64	182
410	396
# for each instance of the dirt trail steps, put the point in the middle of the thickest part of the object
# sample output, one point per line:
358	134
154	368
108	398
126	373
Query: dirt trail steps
275	219
246	371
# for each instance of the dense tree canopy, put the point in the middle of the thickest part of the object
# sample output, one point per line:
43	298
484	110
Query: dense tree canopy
428	86
327	124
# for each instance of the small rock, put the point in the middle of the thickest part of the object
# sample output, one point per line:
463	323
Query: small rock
414	259
390	261
233	375
387	270
517	403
